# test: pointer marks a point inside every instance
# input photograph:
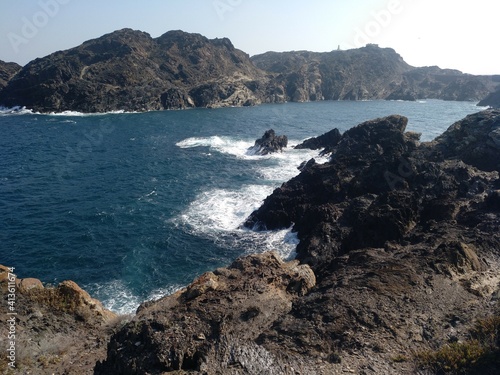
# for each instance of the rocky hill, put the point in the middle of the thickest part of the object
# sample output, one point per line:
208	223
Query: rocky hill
364	74
129	70
7	71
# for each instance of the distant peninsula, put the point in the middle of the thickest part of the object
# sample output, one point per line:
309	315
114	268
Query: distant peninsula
131	71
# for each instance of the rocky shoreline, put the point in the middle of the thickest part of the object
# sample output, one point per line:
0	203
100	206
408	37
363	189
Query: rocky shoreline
128	70
398	257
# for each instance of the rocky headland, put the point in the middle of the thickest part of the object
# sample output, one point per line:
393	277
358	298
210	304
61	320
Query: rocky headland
131	71
492	100
398	271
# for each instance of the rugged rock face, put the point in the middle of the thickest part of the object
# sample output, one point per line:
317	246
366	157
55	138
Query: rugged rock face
475	140
398	254
325	141
129	70
213	325
269	143
365	74
7	71
58	329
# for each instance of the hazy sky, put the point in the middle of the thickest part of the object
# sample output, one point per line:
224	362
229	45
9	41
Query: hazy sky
451	34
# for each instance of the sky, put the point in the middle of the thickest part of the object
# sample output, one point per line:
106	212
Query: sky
450	34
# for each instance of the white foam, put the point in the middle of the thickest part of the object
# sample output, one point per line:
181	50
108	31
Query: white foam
224	145
117	297
218	214
13	111
223	210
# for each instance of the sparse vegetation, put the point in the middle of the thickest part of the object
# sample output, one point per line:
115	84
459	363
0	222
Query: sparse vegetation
478	355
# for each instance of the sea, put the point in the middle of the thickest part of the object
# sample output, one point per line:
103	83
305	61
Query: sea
134	206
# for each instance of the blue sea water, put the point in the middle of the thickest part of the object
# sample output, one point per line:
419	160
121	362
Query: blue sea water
133	206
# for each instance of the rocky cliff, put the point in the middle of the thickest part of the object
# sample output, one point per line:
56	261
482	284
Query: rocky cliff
129	70
7	71
365	74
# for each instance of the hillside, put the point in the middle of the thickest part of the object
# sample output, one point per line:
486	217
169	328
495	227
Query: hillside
129	70
367	73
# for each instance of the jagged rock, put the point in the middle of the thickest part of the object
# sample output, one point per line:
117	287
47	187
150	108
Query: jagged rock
474	140
212	325
325	141
269	143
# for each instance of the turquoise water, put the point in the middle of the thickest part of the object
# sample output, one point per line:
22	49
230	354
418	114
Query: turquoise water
133	206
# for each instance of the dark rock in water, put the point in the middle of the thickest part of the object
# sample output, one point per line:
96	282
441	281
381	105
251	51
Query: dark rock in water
306	164
326	141
269	143
492	100
475	140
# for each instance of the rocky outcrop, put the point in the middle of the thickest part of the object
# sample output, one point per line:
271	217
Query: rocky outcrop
492	100
269	143
398	255
475	140
7	71
325	141
129	70
58	329
213	326
367	73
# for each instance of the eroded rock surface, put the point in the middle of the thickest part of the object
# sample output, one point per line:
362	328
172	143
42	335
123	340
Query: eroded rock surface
59	329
